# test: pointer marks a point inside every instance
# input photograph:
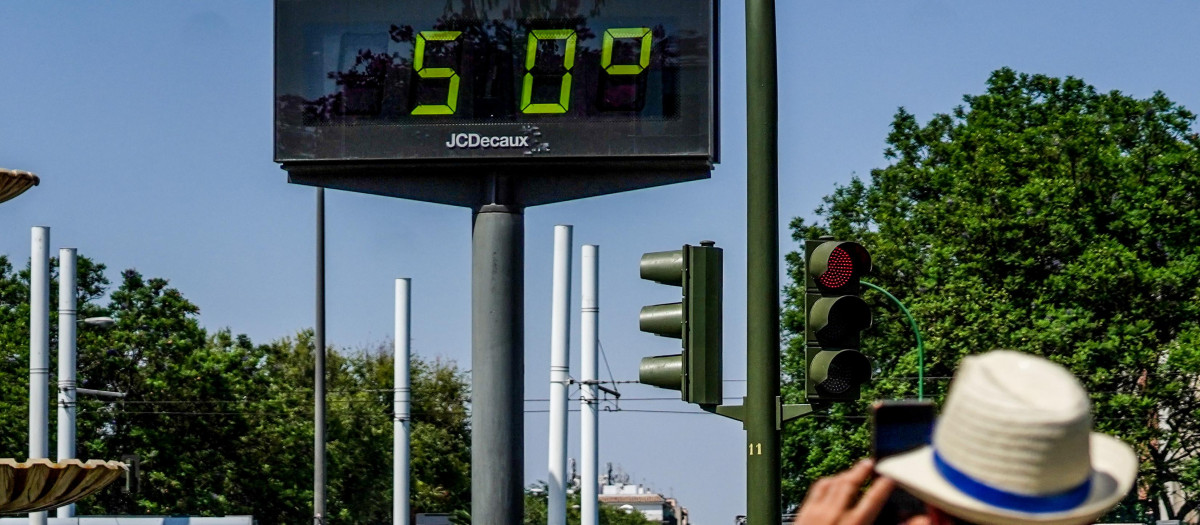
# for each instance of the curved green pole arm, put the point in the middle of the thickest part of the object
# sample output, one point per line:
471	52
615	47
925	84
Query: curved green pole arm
920	345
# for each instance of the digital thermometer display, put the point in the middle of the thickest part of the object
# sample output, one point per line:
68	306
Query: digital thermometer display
413	80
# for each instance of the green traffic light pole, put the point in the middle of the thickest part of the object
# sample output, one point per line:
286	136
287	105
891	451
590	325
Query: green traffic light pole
762	409
912	323
762	413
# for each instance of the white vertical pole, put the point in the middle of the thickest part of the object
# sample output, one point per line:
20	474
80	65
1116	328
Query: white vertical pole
39	351
589	415
402	403
66	362
560	367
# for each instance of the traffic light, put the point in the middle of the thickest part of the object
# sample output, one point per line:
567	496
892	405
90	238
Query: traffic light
696	373
834	317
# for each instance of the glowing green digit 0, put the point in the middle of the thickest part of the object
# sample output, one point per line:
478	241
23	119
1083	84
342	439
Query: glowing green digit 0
564	92
607	50
436	72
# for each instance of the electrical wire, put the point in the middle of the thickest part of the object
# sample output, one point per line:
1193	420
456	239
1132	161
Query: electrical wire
604	356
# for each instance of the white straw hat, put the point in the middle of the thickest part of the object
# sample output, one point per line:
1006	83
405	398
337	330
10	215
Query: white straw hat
1014	445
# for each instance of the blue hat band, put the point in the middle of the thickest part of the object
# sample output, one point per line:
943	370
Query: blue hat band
1004	499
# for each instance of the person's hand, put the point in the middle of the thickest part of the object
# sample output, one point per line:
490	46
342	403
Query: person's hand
831	500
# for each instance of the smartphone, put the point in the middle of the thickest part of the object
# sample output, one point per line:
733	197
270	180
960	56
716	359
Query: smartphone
900	426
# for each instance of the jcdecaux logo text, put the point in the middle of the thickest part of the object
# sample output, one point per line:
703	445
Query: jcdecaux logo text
475	140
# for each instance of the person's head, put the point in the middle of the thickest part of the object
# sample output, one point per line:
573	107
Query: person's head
1014	445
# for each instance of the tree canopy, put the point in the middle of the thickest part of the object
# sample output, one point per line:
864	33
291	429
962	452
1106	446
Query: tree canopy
1041	216
224	426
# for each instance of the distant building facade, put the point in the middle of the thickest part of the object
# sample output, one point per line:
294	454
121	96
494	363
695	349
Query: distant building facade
637	498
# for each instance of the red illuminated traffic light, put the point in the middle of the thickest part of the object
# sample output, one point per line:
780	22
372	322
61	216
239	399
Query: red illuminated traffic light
834	318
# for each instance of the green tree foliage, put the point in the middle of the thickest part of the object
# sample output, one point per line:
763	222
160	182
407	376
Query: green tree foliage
223	426
1041	216
14	342
362	436
14	374
441	472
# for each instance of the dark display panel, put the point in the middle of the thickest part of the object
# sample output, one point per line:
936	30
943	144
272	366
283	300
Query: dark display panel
403	80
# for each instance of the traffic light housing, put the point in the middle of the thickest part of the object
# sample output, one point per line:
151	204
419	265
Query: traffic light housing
696	320
834	317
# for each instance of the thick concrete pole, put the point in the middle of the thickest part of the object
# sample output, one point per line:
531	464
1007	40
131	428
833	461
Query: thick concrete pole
497	365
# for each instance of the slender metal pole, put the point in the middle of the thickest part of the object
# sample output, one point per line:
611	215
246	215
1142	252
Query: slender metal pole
912	323
560	375
402	400
763	498
39	351
66	362
497	365
589	417
319	371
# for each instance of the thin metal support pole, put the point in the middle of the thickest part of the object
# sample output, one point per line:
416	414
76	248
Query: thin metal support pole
319	371
402	399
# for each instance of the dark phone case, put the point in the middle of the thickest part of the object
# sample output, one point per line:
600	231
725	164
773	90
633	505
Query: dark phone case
900	505
917	415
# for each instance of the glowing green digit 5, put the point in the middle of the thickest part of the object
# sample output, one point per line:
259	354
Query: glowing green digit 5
436	72
607	50
564	92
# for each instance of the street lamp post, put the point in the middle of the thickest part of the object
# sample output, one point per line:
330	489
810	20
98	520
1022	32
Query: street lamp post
68	389
67	314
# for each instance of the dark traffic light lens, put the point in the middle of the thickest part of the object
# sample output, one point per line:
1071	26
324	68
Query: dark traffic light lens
840	378
846	370
837	322
839	270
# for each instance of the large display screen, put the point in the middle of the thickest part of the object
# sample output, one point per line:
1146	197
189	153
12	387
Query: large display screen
561	80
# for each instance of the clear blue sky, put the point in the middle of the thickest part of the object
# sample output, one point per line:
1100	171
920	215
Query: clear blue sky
150	125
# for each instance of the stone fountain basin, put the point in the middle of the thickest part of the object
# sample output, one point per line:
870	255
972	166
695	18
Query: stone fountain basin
40	484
